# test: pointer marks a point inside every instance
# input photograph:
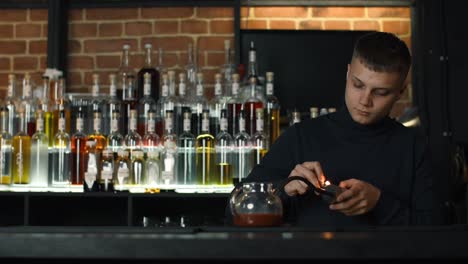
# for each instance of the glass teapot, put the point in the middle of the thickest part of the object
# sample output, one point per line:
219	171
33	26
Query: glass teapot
256	204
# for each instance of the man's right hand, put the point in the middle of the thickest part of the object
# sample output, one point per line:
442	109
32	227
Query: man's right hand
310	170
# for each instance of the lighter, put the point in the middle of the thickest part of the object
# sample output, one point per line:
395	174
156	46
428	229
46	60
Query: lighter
330	192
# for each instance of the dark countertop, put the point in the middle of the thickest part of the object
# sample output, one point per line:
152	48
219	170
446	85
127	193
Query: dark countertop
218	243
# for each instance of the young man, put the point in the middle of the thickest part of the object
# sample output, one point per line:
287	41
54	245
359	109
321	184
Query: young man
381	165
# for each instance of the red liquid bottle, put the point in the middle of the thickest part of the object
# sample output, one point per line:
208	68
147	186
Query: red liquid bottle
154	75
234	106
78	150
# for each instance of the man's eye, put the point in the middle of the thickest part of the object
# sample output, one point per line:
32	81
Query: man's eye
358	85
381	93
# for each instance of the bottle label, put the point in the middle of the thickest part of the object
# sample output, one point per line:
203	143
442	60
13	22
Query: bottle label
252	56
115	125
106	175
113	90
40	124
241	124
182	89
168	124
133	124
199	90
147	89
61	124
79	124
186	125
223	124
260	124
205	124
235	88
218	89
151	125
10	90
95	90
27	90
165	90
97	124
269	89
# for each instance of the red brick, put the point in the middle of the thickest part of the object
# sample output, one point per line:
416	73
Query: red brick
366	25
294	12
401	12
213	43
25	63
311	24
28	30
194	26
138	28
45	30
108	45
215	59
214	12
166	27
110	29
74	46
74	78
43	63
7	15
83	30
38	47
169	43
167	12
111	13
75	15
338	12
337	25
107	61
6	31
38	14
253	24
13	47
80	62
5	64
245	11
282	24
396	27
222	26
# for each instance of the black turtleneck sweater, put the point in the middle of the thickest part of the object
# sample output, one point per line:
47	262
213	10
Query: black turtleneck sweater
387	155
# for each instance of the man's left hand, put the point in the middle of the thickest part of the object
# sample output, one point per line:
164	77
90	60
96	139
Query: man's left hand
358	198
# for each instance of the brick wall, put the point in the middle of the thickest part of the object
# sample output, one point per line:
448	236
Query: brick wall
23	44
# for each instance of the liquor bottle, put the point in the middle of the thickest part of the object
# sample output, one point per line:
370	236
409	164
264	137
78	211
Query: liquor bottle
115	139
205	153
113	105
152	168
99	138
259	139
145	105
272	119
154	75
172	103
314	112
28	105
295	117
46	106
151	139
129	101
251	105
243	160
21	154
191	70
169	150
252	68
137	174
161	68
216	104
183	101
186	169
39	154
160	114
198	105
78	151
96	104
228	68
123	169
11	101
132	140
106	181
61	155
234	106
5	149
124	71
224	145
60	102
92	167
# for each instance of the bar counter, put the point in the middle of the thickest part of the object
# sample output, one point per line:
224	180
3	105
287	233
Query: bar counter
141	245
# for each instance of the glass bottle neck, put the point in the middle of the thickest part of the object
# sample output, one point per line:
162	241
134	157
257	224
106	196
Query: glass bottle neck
148	59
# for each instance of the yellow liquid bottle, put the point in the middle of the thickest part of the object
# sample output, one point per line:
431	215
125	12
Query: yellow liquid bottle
272	111
21	154
206	154
100	139
5	149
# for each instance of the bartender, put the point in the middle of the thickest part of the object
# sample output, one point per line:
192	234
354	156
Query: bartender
381	166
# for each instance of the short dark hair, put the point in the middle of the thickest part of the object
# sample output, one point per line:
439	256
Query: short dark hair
383	52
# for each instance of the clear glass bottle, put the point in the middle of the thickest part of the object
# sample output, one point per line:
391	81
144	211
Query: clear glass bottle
132	140
61	103
115	139
243	161
46	106
186	169
251	105
216	104
21	154
92	167
228	68
152	169
252	67
61	157
224	145
272	119
183	101
160	114
205	153
113	105
234	106
106	181
138	168
259	139
154	75
198	105
151	141
172	103
28	105
191	69
5	149
96	104
169	150
145	105
129	102
11	101
125	71
39	154
161	68
123	169
78	151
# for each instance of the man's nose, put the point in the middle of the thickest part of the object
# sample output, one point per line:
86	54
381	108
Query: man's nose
365	99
